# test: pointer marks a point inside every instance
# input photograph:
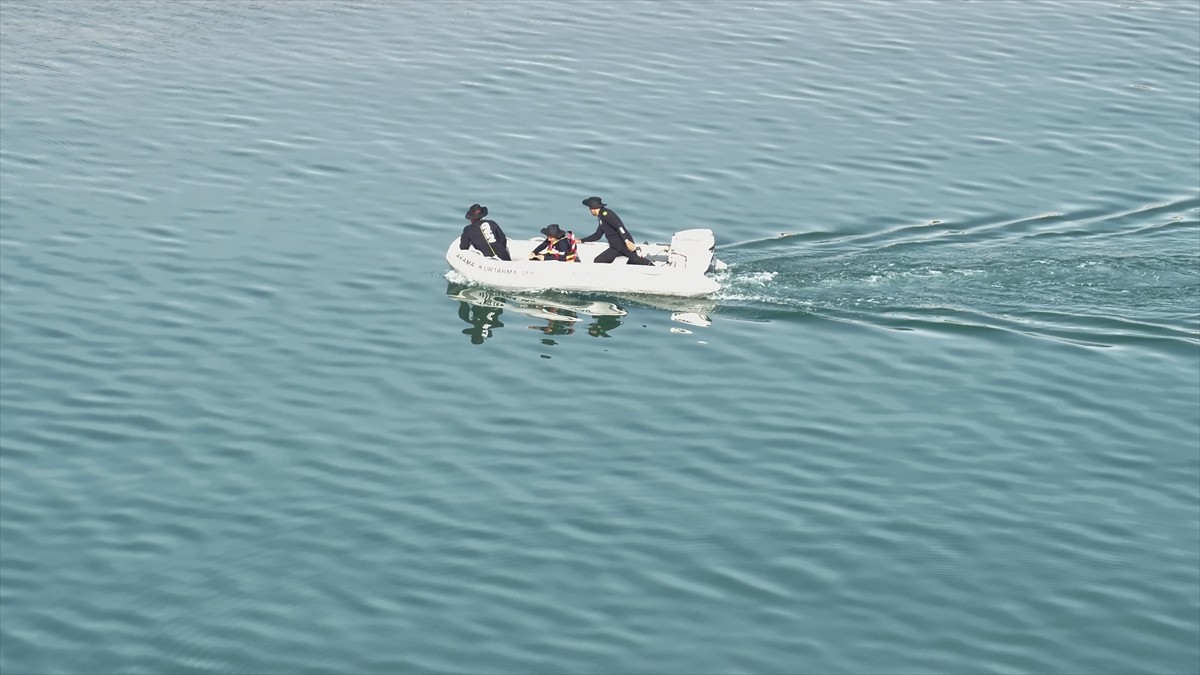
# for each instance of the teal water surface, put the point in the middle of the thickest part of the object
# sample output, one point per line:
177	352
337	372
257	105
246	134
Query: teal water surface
943	416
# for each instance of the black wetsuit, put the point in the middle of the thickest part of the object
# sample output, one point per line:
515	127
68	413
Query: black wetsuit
611	227
486	236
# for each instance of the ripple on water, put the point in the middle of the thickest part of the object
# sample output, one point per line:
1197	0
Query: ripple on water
944	422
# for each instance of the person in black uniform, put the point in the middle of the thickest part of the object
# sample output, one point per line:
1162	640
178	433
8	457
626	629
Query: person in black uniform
485	235
620	242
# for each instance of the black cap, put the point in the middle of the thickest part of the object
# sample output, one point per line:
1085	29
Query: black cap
553	230
476	212
593	203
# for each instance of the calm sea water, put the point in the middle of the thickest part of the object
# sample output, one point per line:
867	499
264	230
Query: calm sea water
944	416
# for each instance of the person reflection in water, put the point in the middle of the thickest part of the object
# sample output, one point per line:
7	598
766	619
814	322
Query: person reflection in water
482	320
555	327
602	325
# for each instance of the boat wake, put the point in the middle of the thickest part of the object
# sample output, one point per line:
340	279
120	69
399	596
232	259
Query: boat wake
1091	280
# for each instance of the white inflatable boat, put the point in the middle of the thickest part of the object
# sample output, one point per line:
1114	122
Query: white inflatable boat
681	268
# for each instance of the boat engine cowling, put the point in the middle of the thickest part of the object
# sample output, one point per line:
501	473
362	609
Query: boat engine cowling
692	249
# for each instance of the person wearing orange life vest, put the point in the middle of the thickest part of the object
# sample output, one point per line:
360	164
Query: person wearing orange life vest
558	245
485	235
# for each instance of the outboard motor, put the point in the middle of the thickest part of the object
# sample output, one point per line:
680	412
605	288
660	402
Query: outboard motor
692	249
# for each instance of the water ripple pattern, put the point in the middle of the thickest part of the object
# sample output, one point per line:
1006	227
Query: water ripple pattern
942	417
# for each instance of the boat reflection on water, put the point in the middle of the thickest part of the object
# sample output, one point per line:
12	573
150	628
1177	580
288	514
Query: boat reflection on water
556	314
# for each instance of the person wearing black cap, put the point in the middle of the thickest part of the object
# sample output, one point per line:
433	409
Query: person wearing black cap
485	235
620	242
558	245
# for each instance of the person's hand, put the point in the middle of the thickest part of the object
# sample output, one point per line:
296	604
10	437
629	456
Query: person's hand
629	245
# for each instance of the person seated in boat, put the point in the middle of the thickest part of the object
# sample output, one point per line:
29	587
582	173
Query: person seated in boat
609	225
558	245
483	234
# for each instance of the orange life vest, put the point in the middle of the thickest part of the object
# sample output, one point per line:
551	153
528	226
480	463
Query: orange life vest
574	250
